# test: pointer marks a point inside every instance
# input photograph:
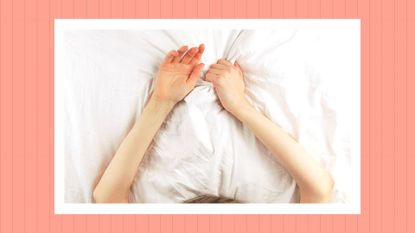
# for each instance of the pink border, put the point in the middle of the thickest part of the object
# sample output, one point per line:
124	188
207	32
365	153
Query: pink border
26	115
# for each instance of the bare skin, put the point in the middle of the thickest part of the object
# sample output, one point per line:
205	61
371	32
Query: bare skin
315	183
177	76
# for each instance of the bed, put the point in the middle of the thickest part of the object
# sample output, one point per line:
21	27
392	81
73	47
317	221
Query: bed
304	78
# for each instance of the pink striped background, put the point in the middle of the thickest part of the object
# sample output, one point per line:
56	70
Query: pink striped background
26	110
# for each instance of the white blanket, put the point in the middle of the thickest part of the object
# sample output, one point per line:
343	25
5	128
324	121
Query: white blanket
305	79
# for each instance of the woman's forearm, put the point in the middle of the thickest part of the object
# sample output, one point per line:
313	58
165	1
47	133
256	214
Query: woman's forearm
115	183
315	183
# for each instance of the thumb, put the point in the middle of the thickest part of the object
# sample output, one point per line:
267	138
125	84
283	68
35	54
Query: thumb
194	76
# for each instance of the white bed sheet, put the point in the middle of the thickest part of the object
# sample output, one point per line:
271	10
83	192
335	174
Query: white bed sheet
306	79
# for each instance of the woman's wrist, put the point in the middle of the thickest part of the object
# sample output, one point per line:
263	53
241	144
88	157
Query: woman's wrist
162	100
243	111
162	103
158	109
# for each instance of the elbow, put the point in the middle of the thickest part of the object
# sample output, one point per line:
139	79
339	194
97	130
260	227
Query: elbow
102	197
98	197
325	192
322	193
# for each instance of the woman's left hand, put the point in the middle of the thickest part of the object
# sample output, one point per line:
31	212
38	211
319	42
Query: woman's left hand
178	74
229	84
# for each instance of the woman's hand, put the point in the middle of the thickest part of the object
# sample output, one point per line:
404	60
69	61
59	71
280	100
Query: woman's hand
228	81
178	74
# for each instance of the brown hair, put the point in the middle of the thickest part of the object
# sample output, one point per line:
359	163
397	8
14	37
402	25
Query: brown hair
211	199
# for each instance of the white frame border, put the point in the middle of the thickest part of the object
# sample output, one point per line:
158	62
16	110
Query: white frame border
123	24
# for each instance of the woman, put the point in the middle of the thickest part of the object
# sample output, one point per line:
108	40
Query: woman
177	76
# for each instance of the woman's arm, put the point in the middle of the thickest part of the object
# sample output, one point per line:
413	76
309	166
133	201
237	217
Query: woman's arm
314	182
115	183
177	76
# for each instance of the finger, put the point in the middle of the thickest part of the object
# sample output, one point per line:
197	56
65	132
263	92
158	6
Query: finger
224	62
210	77
238	67
182	50
189	55
170	56
218	67
215	71
236	64
194	76
198	55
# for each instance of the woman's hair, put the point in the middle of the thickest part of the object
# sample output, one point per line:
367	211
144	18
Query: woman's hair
211	199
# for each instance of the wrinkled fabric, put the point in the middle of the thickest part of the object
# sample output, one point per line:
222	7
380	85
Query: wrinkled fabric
292	76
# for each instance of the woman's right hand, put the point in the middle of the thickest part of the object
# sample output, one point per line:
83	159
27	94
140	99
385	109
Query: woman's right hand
228	81
178	74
